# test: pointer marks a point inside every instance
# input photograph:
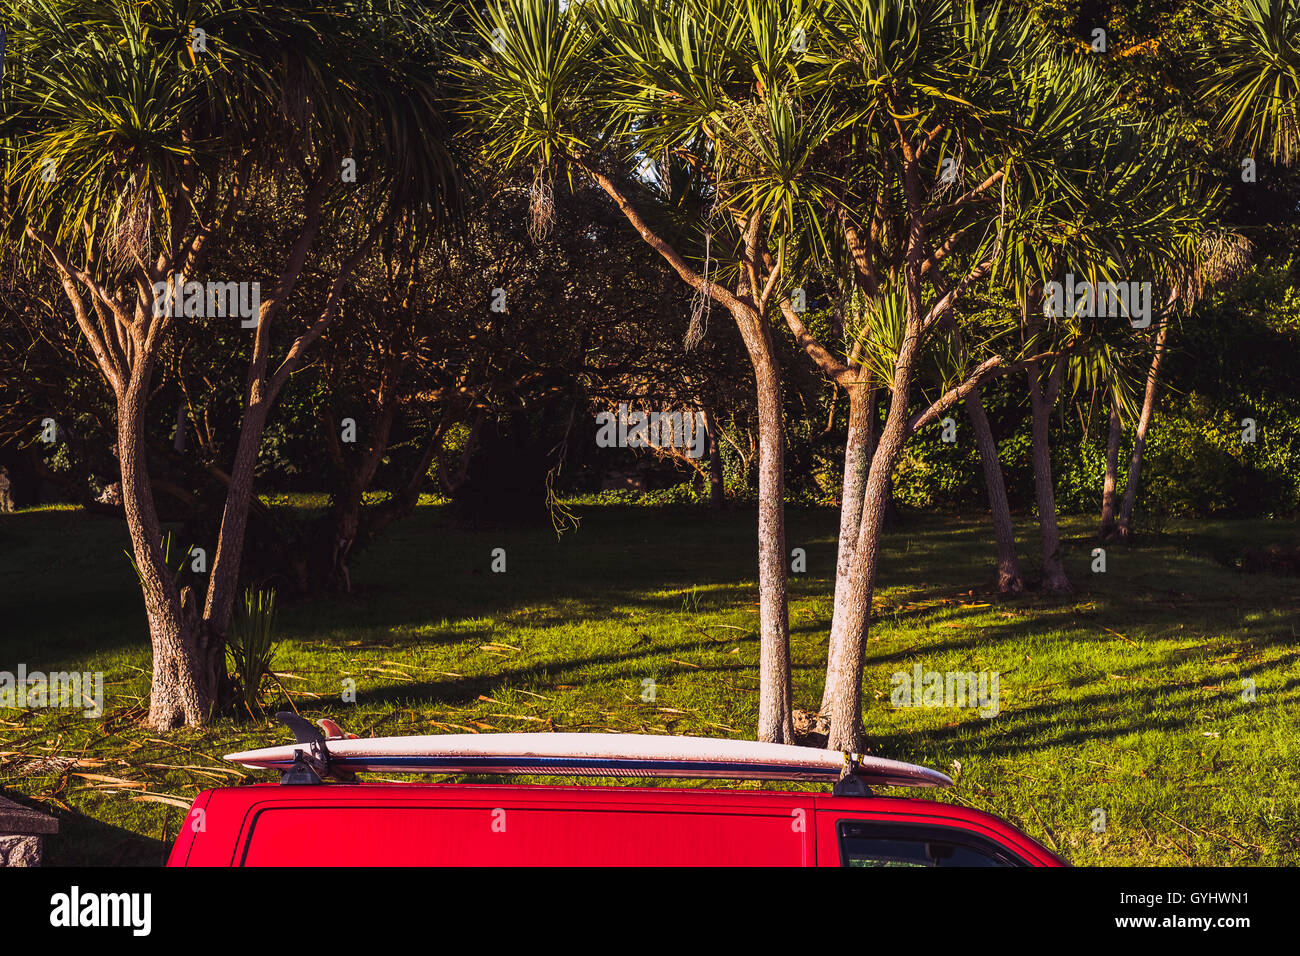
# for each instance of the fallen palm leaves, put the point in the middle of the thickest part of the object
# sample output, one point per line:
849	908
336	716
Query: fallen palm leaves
443	726
216	772
167	798
99	778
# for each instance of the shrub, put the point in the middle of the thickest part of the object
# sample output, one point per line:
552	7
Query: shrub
251	645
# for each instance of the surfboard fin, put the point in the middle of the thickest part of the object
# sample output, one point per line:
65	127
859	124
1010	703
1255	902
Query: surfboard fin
333	731
303	730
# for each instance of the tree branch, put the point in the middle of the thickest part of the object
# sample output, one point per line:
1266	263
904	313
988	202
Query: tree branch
718	293
949	299
317	328
948	209
987	370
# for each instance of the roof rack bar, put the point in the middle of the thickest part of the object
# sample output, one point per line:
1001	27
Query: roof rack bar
302	773
850	786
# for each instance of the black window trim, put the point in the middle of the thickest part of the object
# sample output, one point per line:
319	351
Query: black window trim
925	832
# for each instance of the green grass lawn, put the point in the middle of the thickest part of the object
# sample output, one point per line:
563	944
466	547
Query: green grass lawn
1127	697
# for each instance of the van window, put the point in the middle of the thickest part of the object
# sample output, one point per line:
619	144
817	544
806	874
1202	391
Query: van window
867	843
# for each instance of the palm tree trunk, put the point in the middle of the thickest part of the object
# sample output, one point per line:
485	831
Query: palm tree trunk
845	661
1055	580
775	718
184	683
1109	498
404	500
845	680
1004	533
847	656
224	578
1140	439
717	487
343	525
857	464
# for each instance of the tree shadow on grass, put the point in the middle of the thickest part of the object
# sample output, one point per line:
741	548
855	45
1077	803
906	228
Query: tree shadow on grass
467	690
1086	719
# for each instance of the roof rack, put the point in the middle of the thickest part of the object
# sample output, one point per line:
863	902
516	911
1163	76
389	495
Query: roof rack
566	754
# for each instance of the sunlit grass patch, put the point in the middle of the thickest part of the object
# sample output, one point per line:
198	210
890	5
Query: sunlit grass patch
1127	698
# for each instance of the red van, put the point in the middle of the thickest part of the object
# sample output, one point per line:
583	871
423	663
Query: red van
306	821
427	824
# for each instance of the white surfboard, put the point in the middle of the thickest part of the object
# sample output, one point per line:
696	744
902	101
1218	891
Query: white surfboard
606	755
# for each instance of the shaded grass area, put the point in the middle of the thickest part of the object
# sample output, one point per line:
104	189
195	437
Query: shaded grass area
1127	698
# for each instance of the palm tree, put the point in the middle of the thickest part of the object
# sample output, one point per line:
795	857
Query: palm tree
709	89
1252	77
135	138
934	84
812	131
1209	258
1106	197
